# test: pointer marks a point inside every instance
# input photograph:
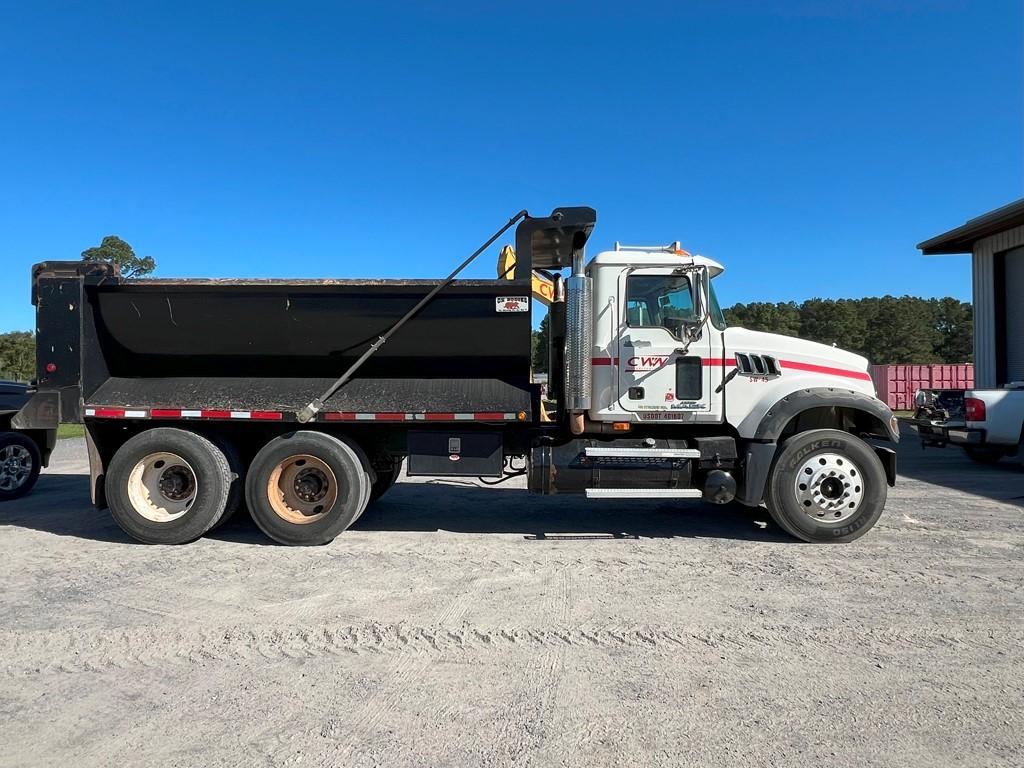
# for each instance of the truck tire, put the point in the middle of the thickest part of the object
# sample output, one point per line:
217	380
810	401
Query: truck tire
168	486
305	488
371	476
237	467
20	462
385	480
826	486
984	455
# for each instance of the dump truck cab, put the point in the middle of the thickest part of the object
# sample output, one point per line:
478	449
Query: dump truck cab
658	343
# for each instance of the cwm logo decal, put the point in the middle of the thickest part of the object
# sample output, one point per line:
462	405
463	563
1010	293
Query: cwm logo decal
646	363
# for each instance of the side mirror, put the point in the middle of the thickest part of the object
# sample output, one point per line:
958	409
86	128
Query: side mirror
701	305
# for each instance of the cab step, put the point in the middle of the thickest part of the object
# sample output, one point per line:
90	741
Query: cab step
641	453
644	493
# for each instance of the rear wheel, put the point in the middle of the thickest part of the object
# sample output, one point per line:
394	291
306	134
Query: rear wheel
304	488
826	485
384	482
168	486
20	462
237	493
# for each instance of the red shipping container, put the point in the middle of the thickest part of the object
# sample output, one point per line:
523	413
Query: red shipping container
896	384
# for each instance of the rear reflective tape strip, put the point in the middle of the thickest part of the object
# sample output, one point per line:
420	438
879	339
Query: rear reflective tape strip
267	415
181	413
481	416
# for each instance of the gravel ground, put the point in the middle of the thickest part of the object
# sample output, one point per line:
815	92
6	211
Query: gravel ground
463	626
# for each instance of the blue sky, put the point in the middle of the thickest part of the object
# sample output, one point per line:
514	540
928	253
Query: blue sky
807	145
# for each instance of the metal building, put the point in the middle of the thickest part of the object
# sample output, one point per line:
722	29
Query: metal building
996	242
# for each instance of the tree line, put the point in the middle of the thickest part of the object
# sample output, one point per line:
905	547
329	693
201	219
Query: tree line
887	329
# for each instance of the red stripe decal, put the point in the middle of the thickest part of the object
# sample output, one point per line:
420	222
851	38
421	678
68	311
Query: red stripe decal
389	416
719	360
215	414
603	361
266	415
439	416
165	413
489	416
110	413
792	364
339	416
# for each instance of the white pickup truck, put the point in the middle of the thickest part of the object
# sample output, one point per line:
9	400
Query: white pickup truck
987	423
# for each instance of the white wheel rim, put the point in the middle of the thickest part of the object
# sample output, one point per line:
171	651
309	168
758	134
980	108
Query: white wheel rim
829	488
15	467
302	489
162	487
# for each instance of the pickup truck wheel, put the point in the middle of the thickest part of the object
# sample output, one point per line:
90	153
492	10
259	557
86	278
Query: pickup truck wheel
20	462
304	488
984	455
168	486
826	485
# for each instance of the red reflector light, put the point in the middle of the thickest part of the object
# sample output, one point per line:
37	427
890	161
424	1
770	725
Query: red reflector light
51	367
974	408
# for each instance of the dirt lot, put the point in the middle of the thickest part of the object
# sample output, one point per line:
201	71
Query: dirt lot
462	626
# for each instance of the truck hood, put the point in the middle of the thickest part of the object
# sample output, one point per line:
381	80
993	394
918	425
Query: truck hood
803	356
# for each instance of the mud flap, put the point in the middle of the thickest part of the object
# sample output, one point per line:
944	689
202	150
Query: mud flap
888	458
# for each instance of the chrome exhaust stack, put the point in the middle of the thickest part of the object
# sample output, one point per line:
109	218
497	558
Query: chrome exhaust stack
579	343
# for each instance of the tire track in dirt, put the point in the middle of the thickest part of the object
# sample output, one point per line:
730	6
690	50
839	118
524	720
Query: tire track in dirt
46	652
349	736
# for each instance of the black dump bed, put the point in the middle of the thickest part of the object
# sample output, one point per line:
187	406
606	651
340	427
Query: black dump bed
275	345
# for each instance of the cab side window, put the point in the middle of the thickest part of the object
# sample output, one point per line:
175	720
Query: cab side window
664	301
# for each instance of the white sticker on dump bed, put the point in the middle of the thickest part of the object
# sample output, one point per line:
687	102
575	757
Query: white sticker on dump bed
512	304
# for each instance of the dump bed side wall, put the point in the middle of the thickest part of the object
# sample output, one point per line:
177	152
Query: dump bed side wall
282	330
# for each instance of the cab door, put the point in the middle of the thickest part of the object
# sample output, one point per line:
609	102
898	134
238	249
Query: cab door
669	358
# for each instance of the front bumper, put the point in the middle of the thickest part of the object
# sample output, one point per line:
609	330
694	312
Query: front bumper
939	435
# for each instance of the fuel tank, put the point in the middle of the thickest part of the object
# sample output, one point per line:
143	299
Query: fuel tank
566	468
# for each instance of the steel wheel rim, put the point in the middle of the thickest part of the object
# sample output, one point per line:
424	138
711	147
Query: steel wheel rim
162	487
829	488
15	467
302	489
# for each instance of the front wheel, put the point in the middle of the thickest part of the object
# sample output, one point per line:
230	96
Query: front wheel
826	485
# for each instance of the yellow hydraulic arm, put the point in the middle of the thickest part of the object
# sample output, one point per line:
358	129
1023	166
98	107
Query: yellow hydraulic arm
543	290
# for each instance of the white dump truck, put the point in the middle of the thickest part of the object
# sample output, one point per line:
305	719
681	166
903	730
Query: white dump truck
196	394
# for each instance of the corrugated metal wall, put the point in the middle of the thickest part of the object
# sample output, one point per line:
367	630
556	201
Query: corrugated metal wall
984	302
896	384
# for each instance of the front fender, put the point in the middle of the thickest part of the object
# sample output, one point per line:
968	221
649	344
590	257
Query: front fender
782	412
